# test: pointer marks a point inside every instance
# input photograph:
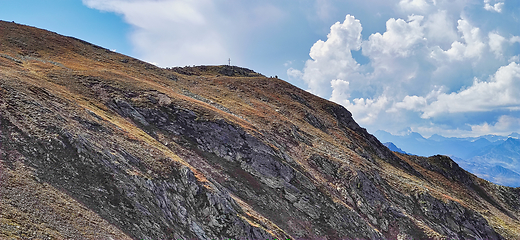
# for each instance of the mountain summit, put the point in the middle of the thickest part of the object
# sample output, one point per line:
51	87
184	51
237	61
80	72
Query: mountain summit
98	145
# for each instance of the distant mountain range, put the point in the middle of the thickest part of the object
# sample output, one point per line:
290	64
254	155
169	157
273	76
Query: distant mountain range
393	147
491	157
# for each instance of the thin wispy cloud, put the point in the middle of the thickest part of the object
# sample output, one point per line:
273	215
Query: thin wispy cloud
179	32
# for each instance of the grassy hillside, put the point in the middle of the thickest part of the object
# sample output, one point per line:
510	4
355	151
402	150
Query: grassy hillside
96	144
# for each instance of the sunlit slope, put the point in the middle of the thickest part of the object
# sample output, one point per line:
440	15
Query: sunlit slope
212	152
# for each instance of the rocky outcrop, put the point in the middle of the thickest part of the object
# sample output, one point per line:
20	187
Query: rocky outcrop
269	173
225	70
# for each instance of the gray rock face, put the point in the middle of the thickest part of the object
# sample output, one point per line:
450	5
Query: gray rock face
149	206
146	208
265	172
269	175
460	222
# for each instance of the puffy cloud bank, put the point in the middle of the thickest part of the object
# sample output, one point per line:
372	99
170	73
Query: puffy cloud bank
445	66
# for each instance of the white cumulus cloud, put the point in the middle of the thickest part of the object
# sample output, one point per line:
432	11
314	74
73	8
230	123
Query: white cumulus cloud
367	110
503	126
400	39
332	59
493	5
421	6
473	45
501	91
430	71
496	43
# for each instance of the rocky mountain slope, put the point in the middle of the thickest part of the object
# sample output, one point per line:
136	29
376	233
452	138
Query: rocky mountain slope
98	145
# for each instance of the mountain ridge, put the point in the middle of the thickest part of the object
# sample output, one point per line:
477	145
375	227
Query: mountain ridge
494	161
141	152
394	148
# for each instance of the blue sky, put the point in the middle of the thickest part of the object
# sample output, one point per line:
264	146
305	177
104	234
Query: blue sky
71	18
450	67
